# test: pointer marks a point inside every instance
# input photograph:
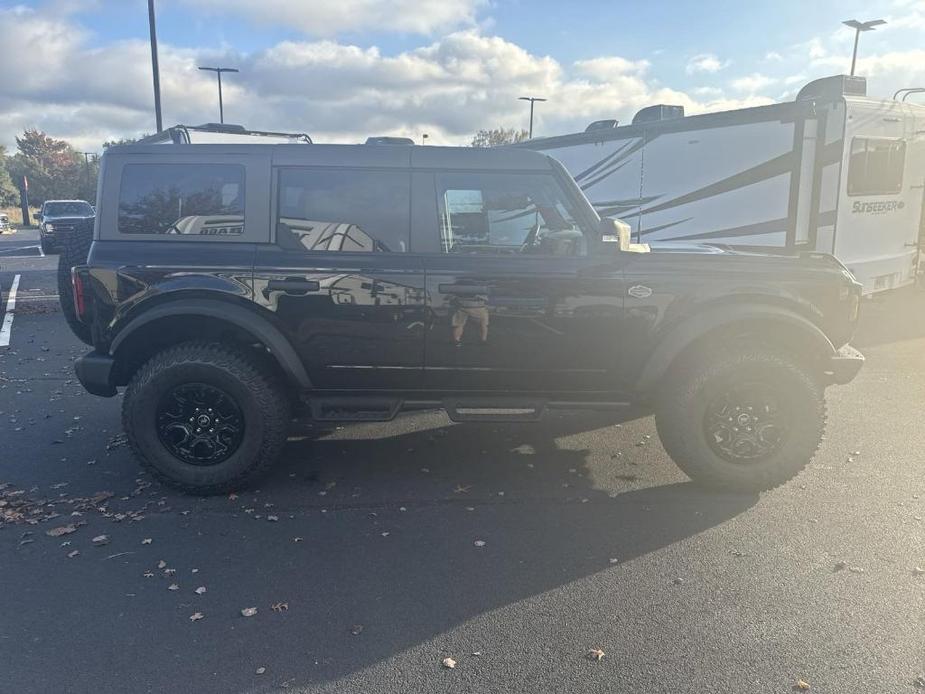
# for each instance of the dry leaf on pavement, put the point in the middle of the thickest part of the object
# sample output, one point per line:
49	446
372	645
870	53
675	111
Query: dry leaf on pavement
356	629
261	670
248	611
71	555
162	564
449	663
595	654
479	543
100	540
195	617
61	530
200	590
280	607
173	586
146	541
801	685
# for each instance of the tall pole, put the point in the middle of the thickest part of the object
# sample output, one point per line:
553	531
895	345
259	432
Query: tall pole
854	54
858	28
532	100
152	26
221	106
218	72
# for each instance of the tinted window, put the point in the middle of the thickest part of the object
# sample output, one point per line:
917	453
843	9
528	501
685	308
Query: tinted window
344	210
506	214
184	199
67	209
876	166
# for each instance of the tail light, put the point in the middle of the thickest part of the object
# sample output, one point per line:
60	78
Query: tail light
79	303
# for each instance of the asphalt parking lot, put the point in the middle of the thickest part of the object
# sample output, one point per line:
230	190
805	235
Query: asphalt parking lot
373	552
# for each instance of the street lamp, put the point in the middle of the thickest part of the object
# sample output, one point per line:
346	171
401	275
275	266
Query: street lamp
858	28
152	28
532	100
218	72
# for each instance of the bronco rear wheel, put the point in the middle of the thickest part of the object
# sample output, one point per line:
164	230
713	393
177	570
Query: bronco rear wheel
205	418
746	419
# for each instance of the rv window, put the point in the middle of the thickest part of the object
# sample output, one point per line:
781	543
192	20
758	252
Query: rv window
344	211
876	166
505	214
186	199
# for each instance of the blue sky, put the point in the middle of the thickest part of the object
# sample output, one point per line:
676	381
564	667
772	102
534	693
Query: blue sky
403	58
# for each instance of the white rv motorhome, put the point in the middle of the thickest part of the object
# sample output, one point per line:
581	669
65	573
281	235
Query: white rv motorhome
832	171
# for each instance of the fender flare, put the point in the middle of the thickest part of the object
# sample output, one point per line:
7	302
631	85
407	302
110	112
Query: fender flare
678	338
249	321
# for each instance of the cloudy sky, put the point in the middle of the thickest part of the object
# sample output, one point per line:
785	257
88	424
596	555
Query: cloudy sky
344	69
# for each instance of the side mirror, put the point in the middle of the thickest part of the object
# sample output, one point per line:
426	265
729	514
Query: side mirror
618	233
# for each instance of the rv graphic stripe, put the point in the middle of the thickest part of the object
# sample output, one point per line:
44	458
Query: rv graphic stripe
769	169
733	232
603	162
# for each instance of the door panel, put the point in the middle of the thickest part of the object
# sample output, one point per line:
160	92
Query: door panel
340	279
357	321
523	324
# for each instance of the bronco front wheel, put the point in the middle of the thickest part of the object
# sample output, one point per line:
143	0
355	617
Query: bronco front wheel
205	418
746	419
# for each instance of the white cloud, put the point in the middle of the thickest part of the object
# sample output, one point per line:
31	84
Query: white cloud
604	68
773	57
752	83
329	18
705	62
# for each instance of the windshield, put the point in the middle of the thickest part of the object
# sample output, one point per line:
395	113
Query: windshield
68	209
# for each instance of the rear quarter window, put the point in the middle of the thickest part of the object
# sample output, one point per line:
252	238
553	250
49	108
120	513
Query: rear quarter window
182	200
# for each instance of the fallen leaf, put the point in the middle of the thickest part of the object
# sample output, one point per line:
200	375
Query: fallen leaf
280	607
248	611
801	685
449	663
479	543
173	586
147	541
195	617
272	519
356	629
261	670
71	555
595	654
61	530
200	590
297	539
100	540
162	564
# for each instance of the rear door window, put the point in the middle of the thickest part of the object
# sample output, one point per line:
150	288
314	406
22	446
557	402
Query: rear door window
344	210
876	166
182	199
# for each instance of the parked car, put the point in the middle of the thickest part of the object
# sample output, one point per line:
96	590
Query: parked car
60	217
355	282
5	226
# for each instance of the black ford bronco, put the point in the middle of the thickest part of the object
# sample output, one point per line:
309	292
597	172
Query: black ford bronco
231	288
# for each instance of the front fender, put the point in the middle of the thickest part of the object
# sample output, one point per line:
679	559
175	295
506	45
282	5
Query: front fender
680	337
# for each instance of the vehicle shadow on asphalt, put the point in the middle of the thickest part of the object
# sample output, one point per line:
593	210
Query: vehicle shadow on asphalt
405	577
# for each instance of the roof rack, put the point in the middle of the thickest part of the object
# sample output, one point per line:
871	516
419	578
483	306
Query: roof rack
907	92
186	134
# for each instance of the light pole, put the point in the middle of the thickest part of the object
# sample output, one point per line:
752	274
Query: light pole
532	100
858	28
218	72
152	28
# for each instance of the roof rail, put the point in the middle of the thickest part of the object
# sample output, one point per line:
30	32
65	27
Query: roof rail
180	134
907	91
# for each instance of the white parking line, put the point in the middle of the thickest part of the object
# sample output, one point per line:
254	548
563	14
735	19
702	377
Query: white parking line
41	251
8	317
3	251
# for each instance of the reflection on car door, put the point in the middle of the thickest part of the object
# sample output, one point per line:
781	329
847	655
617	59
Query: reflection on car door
339	280
515	302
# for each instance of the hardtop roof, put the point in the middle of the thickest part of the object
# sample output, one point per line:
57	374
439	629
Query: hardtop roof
397	156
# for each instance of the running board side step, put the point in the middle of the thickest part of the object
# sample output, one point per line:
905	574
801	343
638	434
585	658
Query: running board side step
484	408
492	409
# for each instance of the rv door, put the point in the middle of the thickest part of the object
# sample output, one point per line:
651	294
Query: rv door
880	202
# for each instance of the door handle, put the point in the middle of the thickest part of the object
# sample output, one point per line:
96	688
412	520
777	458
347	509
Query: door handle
293	285
463	289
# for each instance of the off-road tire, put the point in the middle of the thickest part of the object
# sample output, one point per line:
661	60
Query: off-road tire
75	247
250	383
687	392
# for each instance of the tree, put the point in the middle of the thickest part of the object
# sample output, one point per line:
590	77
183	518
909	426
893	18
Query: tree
498	136
52	167
9	193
